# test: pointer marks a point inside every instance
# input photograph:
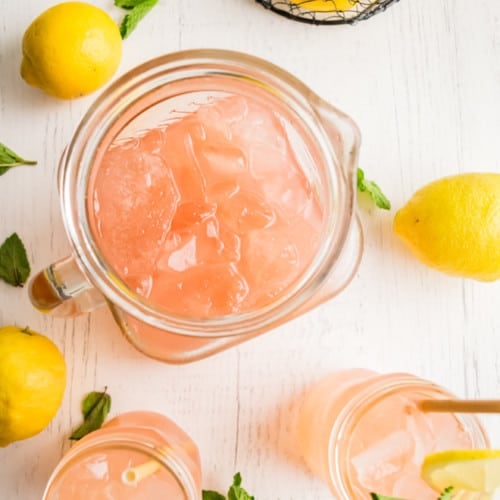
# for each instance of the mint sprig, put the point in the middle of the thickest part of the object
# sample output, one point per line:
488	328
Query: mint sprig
446	495
9	159
211	495
235	492
138	10
95	409
14	264
373	189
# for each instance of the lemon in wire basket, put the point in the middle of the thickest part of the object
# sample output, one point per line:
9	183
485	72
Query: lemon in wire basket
327	11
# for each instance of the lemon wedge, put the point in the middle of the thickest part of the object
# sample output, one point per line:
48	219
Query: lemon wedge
470	470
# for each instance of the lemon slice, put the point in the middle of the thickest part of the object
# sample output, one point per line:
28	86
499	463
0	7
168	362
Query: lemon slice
471	470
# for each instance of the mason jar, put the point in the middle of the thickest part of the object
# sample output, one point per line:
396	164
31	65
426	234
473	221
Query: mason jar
362	432
135	455
314	256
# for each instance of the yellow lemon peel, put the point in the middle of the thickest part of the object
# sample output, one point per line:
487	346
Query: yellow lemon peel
453	225
71	50
32	383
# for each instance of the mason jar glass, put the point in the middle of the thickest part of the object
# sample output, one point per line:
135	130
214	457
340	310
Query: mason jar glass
362	432
134	456
164	92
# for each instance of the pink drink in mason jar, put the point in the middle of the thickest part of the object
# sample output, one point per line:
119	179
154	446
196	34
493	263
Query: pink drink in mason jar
362	432
209	197
135	456
209	215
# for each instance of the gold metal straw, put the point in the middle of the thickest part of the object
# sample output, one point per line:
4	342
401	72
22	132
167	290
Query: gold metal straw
459	405
133	475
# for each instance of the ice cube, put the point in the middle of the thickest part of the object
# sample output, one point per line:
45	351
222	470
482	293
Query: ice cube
192	212
179	154
234	109
281	179
409	485
266	161
137	199
419	426
153	141
201	291
200	243
184	257
269	261
245	211
261	126
216	128
450	433
379	465
221	160
99	468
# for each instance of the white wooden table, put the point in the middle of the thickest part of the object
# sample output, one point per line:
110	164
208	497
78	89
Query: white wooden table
422	80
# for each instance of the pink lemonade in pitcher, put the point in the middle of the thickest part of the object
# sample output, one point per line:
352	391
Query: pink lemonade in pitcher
362	432
210	214
117	462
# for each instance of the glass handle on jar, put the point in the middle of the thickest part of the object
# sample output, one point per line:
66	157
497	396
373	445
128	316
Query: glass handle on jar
344	135
62	290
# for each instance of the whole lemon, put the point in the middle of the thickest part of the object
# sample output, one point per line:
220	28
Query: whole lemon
70	50
453	225
326	5
32	383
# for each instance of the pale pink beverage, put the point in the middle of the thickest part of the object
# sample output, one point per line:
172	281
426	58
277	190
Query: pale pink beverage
210	214
209	197
163	459
362	432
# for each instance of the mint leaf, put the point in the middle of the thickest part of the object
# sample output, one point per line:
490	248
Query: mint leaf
373	190
211	495
446	495
138	9
95	408
376	496
236	492
89	401
14	264
128	4
9	159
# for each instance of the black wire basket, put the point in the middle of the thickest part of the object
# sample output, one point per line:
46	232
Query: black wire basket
327	11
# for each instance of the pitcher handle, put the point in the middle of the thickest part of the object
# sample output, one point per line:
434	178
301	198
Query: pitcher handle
62	290
344	135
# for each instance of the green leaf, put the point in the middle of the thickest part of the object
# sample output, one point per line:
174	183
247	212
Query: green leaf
95	408
211	495
446	495
373	190
9	159
236	492
14	264
376	496
128	4
138	9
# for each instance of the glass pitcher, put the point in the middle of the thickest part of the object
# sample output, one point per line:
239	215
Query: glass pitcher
259	119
